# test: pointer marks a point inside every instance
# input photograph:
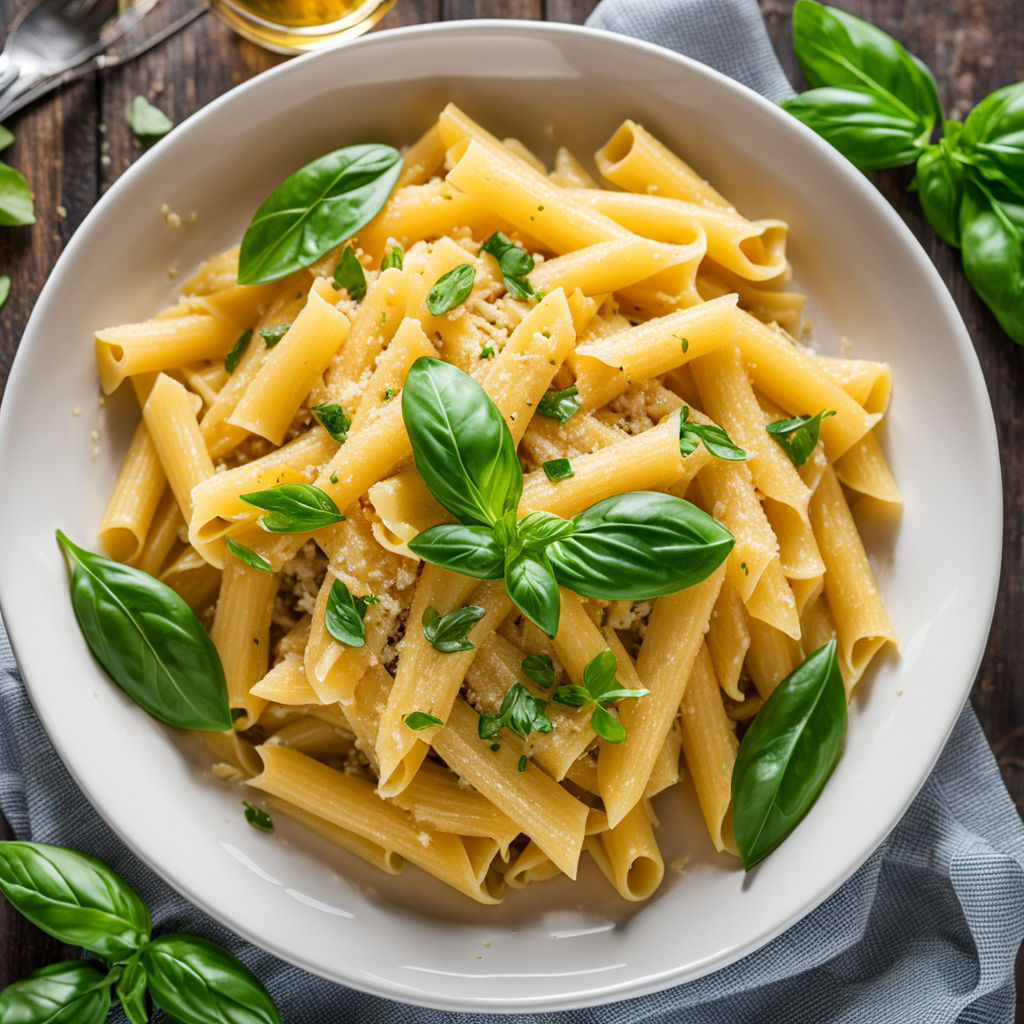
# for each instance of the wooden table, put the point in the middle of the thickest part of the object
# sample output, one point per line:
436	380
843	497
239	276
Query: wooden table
73	146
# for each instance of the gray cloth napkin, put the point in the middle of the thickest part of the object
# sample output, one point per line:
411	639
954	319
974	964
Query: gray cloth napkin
926	931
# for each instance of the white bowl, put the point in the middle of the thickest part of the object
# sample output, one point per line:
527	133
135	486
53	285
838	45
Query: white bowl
558	945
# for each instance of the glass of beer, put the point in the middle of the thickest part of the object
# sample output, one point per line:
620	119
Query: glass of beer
297	26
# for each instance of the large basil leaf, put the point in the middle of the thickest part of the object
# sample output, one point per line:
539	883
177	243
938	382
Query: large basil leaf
197	982
637	546
344	614
74	897
993	136
838	49
992	240
869	129
148	640
131	990
533	588
939	180
315	209
70	992
787	755
470	550
462	445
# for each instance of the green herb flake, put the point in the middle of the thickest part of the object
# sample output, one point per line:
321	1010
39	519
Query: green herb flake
799	436
389	393
451	289
447	633
333	478
495	746
149	123
392	258
6	137
520	712
258	818
420	720
334	420
5	288
684	343
539	668
599	689
237	351
560	405
272	335
248	556
344	614
294	508
349	274
558	469
715	439
487	352
523	762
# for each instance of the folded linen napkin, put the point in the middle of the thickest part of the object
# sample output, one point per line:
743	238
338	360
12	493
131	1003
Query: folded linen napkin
926	930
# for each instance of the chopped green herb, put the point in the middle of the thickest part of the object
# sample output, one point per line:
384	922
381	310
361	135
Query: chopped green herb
684	342
715	439
558	469
523	761
344	615
495	746
334	420
560	405
272	335
349	274
447	634
539	668
389	393
383	319
487	352
743	566
237	713
259	819
419	720
598	690
451	289
333	478
237	351
392	258
520	711
149	123
799	436
294	508
248	556
513	261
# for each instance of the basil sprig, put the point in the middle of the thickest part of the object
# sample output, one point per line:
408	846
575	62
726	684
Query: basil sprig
148	640
349	274
799	436
316	209
630	546
451	289
447	633
715	439
78	900
878	105
520	712
787	755
514	263
344	614
597	691
294	508
333	419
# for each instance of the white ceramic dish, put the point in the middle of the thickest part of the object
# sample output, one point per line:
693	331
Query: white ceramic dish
561	945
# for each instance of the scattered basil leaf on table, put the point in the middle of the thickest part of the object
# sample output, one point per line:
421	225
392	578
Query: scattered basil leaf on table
294	508
392	258
5	289
70	992
349	274
333	419
447	633
788	754
16	206
560	405
148	640
315	209
6	137
539	668
148	123
195	981
469	550
75	898
257	817
237	351
451	289
131	990
344	614
520	712
558	469
531	583
272	335
799	436
597	691
993	137
514	262
715	439
420	720
248	556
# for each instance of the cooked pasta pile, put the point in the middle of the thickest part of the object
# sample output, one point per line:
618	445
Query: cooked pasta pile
657	300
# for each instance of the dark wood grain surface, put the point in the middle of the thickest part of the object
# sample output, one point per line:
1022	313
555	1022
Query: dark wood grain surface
73	145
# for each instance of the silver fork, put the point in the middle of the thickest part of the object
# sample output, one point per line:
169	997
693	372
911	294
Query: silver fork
54	42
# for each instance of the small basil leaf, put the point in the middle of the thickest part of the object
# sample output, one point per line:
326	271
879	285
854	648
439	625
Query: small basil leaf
5	289
131	990
237	351
294	508
539	668
349	274
599	673
469	550
533	588
787	755
315	209
637	546
939	180
992	240
75	898
447	633
196	981
538	529
344	615
451	289
560	405
838	49
715	439
558	469
70	992
870	130
257	817
16	206
248	556
606	725
420	720
993	137
272	335
148	640
514	262
572	696
392	258
333	419
798	436
462	446
520	712
148	123
6	137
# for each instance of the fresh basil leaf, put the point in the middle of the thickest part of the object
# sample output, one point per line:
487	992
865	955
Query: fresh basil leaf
993	137
939	180
520	712
344	615
538	529
451	289
798	436
6	137
148	123
16	206
533	588
315	209
333	419
787	755
513	261
197	982
715	439
599	690
558	469
469	550
606	725
640	545
131	990
838	49
599	673
992	240
560	405
5	289
522	763
272	335
257	817
869	129
392	258
447	633
572	696
420	720
70	992
349	274
539	668
75	898
294	508
148	640
237	351
462	446
248	556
